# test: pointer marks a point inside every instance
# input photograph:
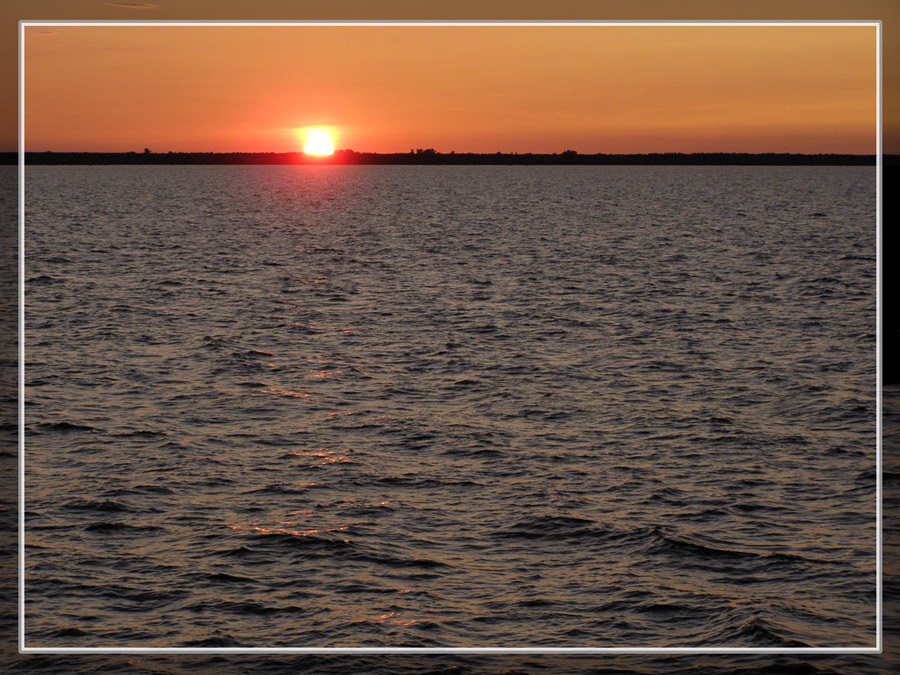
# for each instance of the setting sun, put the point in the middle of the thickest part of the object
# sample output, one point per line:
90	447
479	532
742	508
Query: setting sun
318	143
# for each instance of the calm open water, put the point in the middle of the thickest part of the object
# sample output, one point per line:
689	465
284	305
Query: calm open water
450	406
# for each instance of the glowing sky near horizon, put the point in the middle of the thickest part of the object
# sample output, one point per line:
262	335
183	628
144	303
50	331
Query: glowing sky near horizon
469	89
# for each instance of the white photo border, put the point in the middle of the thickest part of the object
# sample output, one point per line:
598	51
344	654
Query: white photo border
876	649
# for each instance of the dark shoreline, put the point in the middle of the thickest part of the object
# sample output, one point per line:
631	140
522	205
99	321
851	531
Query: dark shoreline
430	157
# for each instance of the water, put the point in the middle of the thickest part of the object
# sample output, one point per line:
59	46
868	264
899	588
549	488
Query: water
450	406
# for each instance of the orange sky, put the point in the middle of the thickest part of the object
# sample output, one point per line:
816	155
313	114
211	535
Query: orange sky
479	89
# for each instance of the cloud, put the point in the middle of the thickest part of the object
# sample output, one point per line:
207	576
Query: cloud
132	5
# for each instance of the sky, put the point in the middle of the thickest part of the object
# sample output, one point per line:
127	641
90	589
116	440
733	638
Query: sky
467	89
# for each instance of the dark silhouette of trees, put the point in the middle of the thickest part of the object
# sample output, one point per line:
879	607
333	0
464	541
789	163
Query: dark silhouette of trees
431	156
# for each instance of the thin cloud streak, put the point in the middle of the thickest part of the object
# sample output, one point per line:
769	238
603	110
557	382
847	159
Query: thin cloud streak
132	5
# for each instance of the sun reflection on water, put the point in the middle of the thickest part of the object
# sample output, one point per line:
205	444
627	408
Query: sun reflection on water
323	374
326	456
284	392
281	530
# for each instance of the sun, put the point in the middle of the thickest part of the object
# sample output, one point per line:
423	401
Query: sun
318	143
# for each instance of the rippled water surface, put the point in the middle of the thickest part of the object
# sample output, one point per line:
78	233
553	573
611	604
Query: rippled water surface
450	406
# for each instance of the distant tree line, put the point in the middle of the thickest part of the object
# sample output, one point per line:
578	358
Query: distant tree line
431	156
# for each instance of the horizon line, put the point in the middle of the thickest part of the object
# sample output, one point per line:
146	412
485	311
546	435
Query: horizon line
430	156
414	151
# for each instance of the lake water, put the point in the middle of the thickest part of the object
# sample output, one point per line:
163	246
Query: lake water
450	406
